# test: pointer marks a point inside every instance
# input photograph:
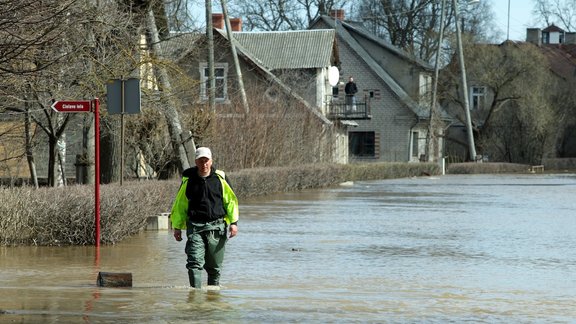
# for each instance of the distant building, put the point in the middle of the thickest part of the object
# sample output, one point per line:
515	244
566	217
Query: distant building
395	86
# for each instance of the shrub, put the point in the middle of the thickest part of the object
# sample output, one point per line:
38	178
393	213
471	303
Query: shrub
65	215
477	168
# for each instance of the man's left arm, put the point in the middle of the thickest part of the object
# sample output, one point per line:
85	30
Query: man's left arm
231	205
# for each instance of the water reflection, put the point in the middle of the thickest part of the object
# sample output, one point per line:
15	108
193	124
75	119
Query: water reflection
447	249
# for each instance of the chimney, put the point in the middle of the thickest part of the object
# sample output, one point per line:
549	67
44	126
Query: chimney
337	14
218	20
534	36
236	24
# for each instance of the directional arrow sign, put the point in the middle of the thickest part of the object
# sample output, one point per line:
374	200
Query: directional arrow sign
71	106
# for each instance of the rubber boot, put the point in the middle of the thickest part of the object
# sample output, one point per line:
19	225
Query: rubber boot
213	280
195	278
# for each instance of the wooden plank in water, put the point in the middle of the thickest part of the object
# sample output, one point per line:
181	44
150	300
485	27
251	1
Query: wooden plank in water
114	279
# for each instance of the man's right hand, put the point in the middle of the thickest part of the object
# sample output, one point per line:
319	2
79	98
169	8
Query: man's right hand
178	235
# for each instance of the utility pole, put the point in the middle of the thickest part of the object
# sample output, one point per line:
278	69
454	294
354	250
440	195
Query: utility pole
433	142
210	35
470	132
235	56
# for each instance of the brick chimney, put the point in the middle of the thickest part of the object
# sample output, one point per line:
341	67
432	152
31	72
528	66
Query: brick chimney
218	20
236	24
337	14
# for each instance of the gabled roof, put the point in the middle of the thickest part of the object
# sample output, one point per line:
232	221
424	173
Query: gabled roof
301	49
272	77
553	28
179	45
562	58
346	30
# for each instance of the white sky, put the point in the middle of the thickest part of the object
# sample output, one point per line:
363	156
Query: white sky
520	17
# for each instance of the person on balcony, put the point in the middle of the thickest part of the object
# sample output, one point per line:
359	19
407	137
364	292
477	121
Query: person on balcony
351	90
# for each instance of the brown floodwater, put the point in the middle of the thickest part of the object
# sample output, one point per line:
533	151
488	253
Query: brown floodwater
471	248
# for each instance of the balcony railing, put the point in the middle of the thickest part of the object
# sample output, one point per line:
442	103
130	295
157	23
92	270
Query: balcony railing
345	108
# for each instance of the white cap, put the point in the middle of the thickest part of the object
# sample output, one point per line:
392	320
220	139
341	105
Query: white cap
203	152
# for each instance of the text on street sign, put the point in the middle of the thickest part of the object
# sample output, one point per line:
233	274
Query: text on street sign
71	106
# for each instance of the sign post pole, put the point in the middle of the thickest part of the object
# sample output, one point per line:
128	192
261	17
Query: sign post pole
123	97
88	106
96	107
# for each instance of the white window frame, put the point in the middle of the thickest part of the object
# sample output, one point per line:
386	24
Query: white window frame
425	89
477	97
223	78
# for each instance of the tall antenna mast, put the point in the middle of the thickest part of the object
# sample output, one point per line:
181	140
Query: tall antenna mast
508	27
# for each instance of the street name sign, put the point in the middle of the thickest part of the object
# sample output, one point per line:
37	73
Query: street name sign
71	106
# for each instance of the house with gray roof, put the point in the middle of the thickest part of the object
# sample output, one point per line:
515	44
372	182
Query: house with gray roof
396	88
284	66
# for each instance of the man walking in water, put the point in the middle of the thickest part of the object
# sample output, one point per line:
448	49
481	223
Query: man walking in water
207	208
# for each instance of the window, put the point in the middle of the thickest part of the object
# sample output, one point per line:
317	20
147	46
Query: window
221	77
335	91
362	144
546	39
425	89
477	98
415	147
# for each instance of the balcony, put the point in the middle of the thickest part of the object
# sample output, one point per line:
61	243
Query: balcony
340	108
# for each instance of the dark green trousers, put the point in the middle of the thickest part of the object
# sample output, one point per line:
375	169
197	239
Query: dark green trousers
205	251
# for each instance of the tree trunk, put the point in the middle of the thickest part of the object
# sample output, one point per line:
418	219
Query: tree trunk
29	151
61	162
235	57
88	150
52	140
110	151
170	112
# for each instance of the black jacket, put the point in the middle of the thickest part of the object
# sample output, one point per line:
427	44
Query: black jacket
351	88
204	196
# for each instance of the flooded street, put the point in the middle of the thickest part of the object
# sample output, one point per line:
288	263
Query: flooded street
465	248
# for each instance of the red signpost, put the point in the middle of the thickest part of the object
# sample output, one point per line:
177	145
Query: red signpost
96	102
89	106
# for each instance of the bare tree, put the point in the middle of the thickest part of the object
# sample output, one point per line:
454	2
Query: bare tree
559	12
79	47
514	119
278	15
26	28
414	25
